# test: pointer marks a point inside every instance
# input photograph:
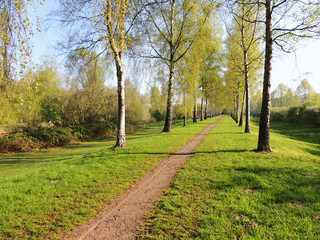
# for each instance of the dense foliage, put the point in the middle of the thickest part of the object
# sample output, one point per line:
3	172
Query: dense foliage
27	139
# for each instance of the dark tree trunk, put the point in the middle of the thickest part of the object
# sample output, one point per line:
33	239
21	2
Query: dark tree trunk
206	110
238	103
169	114
195	113
246	72
185	109
121	133
235	108
242	109
264	127
168	121
201	117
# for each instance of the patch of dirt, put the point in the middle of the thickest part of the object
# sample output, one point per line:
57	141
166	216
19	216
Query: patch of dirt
124	217
250	191
248	221
316	217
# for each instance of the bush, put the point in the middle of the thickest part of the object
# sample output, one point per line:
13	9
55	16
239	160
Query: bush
24	140
94	130
157	115
279	115
18	142
293	114
52	137
303	115
310	116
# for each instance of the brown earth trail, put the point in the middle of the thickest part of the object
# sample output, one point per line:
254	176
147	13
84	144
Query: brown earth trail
124	217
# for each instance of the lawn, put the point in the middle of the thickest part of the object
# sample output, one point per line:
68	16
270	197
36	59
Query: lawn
228	191
45	193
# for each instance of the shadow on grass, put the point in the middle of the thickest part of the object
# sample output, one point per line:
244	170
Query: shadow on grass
291	186
225	151
21	160
297	132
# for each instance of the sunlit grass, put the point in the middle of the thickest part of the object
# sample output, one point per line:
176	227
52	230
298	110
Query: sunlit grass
228	191
44	193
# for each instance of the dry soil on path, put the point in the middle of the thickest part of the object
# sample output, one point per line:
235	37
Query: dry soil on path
124	217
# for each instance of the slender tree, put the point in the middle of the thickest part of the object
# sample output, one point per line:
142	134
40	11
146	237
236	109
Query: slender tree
286	22
104	25
247	39
176	23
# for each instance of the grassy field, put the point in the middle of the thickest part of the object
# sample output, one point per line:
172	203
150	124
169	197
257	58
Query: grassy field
44	193
228	191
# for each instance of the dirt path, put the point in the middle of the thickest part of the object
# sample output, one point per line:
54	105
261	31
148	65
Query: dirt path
123	218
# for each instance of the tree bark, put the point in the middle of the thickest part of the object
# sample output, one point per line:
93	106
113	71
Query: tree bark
206	110
121	133
201	118
117	49
242	109
264	126
195	113
185	109
235	107
168	121
238	103
246	72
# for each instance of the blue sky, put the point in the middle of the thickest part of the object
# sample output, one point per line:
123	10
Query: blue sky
288	69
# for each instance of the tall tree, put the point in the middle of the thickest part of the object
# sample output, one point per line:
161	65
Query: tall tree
172	26
104	25
197	70
248	37
285	21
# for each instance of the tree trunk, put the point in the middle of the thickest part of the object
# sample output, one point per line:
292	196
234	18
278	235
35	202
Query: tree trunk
168	122
264	127
206	110
195	113
201	118
117	49
185	109
246	72
235	107
121	133
238	103
242	109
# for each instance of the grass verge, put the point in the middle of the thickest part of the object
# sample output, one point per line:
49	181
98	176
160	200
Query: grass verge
228	191
47	192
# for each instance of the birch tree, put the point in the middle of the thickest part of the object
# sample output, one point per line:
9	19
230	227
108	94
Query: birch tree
105	26
171	27
247	38
286	21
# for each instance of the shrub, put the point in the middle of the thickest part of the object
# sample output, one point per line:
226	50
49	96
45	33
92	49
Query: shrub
303	115
293	114
310	116
157	115
278	115
94	130
24	139
52	137
18	142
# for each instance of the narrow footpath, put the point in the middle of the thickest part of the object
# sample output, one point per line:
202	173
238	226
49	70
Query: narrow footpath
124	217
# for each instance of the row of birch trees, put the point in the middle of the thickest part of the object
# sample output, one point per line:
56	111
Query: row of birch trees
186	37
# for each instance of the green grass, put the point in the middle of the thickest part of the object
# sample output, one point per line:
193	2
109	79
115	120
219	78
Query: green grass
228	191
45	193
